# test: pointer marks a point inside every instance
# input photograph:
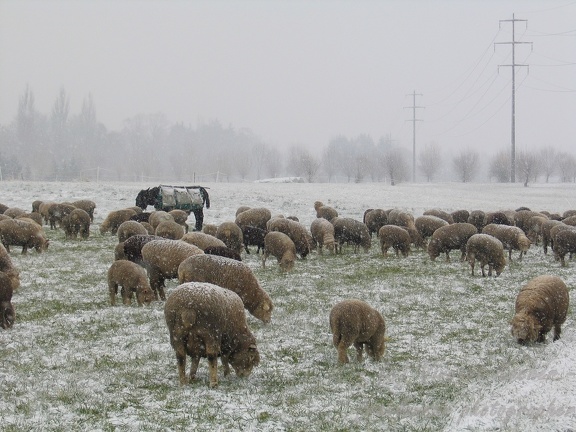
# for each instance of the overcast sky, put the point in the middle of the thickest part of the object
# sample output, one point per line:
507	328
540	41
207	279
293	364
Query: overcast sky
302	72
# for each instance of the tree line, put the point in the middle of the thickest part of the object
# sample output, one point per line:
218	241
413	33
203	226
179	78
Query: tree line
63	146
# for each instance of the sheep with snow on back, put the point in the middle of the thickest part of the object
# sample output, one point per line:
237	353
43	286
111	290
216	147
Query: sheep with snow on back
180	217
7	312
202	240
210	229
295	230
87	205
477	218
375	219
324	211
449	237
461	215
232	275
487	250
513	238
130	228
427	224
57	212
158	216
223	251
439	214
114	219
393	236
564	242
535	228
8	268
282	247
253	236
76	223
253	217
404	219
541	304
231	235
132	247
14	212
205	320
15	232
546	231
323	234
170	230
355	322
133	279
348	230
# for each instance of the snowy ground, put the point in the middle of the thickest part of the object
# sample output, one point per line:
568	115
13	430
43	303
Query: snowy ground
537	395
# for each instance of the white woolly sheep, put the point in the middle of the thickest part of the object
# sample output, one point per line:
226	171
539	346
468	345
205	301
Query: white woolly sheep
393	236
449	237
355	322
541	304
170	230
231	235
205	320
253	217
295	230
324	211
8	268
76	223
282	247
114	219
348	230
130	228
201	239
230	274
513	238
133	279
7	312
487	250
323	234
16	232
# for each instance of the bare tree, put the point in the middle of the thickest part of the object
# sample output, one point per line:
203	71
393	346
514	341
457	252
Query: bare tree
548	161
500	167
329	163
302	163
430	160
567	167
527	166
396	165
466	165
273	162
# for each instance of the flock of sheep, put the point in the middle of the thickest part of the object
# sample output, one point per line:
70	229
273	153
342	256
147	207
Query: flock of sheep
205	314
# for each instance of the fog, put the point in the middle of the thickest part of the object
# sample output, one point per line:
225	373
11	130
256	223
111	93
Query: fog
299	72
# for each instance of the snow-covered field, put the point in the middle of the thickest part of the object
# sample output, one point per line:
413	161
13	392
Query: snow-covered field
73	362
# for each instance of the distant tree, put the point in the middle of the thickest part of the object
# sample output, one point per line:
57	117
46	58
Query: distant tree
527	166
466	165
430	160
548	161
342	152
302	163
396	165
567	167
329	163
500	167
273	162
365	158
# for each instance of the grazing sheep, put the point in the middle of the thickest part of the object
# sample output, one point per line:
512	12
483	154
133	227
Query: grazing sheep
141	217
162	258
282	247
534	225
568	213
119	253
205	320
440	214
15	232
170	230
115	219
87	205
427	224
231	235
230	274
488	250
223	251
406	220
571	220
14	212
296	231
133	247
513	238
477	218
375	219
348	230
564	243
460	216
76	223
253	217
44	208
241	209
393	236
130	228
498	218
355	322
36	217
133	279
158	216
180	217
202	240
7	267
521	218
449	237
541	304
546	233
3	208
7	312
210	229
57	212
253	236
323	211
323	234
148	227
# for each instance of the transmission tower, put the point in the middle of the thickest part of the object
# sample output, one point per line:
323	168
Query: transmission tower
514	42
414	120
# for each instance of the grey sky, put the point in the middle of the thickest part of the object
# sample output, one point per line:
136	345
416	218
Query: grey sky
302	72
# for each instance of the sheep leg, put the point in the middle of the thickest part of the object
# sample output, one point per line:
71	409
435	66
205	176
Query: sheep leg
557	331
489	270
194	362
113	290
225	364
342	354
359	350
213	368
472	263
264	256
181	361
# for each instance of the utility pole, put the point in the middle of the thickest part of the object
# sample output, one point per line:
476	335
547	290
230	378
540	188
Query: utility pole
513	66
414	120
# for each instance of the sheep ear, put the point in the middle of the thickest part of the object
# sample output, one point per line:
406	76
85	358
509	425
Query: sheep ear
266	307
252	347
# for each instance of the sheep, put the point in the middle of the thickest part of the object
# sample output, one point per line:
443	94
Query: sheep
355	322
477	218
87	205
77	222
130	228
296	231
405	219
323	234
571	220
132	247
180	217
460	215
210	229
498	217
57	212
253	236
133	279
513	238
353	231
440	214
14	232
231	235
564	242
427	224
44	208
521	218
141	217
119	253
546	235
223	251
162	258
254	217
148	227
241	209
375	219
3	208
14	212
568	213
114	219
541	304
36	217
4	217
488	250
158	216
395	237
232	275
282	247
205	320
534	225
202	240
451	236
323	211
170	230
6	307
7	267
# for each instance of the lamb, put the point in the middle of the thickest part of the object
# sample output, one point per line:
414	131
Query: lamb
477	218
162	258
253	217
231	235
395	237
323	211
7	312
180	217
170	230
133	279
87	205
452	236
513	238
253	236
7	267
296	231
564	242
232	275
130	228
460	215
132	247
158	216
115	219
223	251
281	246
375	219
541	304
205	320
546	233
15	232
323	234
77	222
353	231
427	224
202	240
355	322
488	250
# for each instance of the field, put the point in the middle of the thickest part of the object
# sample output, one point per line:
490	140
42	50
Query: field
73	362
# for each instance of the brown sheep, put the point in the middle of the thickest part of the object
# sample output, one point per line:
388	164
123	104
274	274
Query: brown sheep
348	230
162	258
158	216
253	217
133	279
253	236
170	230
205	320
571	220
7	312
57	212
534	225
15	232
282	247
295	230
404	219
4	217
323	211
14	212
130	228
44	208
223	251
488	250
513	238
355	322
323	234
546	233
133	247
3	208
7	267
522	217
210	229
115	219
541	304
180	217
36	217
460	215
393	236
232	275
568	213
564	243
375	219
449	237
231	235
477	218
241	209
76	223
440	214
87	205
427	224
202	240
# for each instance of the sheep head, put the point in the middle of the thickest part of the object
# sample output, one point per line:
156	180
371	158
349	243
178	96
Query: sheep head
525	327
